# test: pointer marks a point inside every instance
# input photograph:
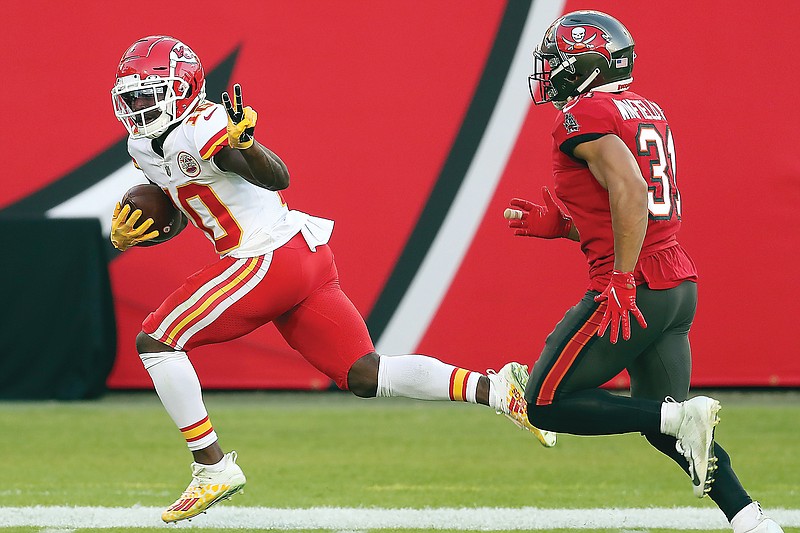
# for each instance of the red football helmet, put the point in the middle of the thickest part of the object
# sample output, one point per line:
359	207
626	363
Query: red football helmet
159	81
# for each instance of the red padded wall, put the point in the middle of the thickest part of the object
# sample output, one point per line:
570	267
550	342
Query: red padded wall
363	101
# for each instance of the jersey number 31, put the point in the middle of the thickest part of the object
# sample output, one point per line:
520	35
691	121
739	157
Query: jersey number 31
663	198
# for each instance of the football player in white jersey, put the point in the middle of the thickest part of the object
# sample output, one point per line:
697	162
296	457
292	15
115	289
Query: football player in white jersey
275	266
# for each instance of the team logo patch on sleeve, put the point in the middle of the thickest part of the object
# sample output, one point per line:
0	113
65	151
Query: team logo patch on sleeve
570	124
188	164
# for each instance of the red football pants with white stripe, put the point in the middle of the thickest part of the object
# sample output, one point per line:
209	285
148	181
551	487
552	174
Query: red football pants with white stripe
296	289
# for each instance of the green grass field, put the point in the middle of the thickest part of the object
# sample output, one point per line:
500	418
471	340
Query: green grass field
334	450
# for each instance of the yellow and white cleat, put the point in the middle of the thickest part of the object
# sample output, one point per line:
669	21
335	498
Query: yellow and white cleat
509	384
206	489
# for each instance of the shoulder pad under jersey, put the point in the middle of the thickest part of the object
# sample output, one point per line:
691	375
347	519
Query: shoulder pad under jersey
210	124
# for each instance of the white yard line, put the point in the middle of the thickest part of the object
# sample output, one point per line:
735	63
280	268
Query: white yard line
360	519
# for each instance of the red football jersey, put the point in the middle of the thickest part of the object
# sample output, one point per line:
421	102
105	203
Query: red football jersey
642	126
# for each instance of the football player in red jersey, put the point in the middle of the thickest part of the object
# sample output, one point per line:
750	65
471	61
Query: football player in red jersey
275	266
614	170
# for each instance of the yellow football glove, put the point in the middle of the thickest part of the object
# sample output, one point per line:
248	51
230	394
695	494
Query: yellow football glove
124	234
241	120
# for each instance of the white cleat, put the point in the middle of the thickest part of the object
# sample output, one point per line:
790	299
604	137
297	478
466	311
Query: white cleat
206	489
768	525
509	384
696	441
751	513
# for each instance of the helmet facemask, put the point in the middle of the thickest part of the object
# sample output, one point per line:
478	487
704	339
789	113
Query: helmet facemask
148	107
159	82
552	79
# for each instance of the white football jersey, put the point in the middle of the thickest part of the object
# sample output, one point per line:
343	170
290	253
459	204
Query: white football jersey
240	219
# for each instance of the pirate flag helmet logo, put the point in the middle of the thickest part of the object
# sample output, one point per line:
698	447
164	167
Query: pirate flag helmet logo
581	51
582	39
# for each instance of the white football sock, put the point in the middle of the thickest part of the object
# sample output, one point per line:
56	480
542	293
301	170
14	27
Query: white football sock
218	466
494	398
671	417
178	388
425	378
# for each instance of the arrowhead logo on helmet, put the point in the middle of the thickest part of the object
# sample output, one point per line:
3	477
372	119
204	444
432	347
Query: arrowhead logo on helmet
181	52
583	39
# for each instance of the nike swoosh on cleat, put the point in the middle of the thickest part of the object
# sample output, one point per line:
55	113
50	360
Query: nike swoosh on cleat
692	472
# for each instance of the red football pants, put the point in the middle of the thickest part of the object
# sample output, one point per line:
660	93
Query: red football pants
296	289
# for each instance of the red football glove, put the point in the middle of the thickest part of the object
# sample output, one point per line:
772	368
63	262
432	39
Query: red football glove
621	298
546	221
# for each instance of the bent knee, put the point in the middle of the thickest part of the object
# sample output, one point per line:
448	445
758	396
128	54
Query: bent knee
153	353
540	415
362	378
147	344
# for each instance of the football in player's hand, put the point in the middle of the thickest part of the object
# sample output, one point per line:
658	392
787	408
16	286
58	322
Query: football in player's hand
154	204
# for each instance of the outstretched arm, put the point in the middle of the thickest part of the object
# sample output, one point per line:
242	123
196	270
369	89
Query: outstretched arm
547	221
244	155
257	164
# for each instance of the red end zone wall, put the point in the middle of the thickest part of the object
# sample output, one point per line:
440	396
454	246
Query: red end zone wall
363	100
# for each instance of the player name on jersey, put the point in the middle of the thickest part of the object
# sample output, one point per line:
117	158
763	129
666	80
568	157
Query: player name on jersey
639	109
